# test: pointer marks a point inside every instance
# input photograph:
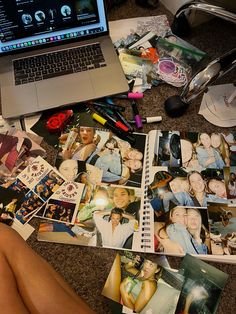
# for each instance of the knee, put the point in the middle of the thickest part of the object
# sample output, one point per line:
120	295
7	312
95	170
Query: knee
7	236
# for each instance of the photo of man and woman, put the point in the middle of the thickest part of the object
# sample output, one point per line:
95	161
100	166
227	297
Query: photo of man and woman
109	219
119	162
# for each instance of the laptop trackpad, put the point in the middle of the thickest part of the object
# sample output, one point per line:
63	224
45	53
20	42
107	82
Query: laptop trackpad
64	90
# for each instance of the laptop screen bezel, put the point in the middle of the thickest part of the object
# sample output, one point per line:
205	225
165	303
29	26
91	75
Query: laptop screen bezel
61	43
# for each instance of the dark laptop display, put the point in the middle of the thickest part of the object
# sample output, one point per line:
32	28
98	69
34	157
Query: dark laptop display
26	24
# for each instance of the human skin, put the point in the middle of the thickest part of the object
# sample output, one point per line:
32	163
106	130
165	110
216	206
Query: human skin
205	140
121	198
218	188
86	135
179	185
179	215
69	169
186	151
194	222
29	284
197	183
115	220
149	285
134	154
215	140
133	164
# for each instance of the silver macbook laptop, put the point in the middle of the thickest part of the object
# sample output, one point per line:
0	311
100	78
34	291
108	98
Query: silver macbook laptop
54	53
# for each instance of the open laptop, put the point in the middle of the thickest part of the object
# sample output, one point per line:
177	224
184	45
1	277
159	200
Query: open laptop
38	28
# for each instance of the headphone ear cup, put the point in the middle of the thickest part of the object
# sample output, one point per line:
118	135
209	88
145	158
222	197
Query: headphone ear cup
175	107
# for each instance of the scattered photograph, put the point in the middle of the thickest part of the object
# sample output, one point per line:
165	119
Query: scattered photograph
222	222
142	285
120	163
202	287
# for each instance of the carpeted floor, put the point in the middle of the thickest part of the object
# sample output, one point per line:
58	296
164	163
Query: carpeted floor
86	268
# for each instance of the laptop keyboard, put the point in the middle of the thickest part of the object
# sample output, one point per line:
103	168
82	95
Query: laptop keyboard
58	63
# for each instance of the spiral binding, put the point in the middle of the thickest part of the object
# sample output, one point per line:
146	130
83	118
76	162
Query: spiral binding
146	236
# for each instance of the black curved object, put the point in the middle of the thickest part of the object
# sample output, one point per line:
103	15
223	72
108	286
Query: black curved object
180	26
175	106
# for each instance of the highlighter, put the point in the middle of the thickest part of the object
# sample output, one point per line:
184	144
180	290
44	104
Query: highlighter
137	117
123	135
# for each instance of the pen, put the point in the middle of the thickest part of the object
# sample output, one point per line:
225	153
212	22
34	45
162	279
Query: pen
119	115
125	136
137	117
148	120
110	117
108	105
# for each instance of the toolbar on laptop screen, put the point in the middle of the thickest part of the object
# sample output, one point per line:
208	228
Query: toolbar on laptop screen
27	23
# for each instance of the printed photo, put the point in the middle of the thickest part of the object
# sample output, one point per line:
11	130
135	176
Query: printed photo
120	163
110	219
29	205
222	222
186	187
167	149
202	287
48	185
230	181
114	213
143	285
183	230
59	210
64	203
19	187
10	202
206	150
59	232
17	151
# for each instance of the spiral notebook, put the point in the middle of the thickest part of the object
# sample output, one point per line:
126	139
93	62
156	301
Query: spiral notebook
170	193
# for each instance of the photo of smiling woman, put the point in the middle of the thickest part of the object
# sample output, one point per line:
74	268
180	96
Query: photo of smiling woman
184	232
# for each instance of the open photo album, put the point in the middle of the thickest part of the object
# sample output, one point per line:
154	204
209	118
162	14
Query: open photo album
170	193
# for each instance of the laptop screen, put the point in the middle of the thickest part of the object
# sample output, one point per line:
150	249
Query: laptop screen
26	24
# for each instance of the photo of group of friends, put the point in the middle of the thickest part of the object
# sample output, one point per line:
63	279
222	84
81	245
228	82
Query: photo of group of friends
192	180
34	186
194	150
109	219
139	285
119	162
9	204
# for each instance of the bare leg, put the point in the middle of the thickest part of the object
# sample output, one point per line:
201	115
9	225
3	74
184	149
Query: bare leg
30	283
